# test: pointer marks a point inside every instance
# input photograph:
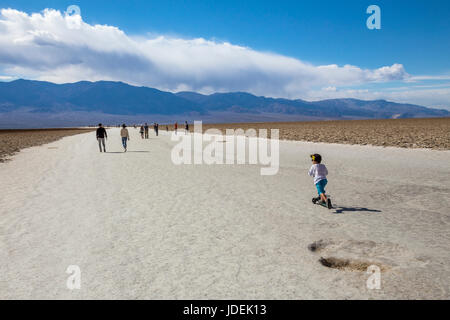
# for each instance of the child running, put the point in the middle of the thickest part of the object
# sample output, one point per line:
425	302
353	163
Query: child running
319	172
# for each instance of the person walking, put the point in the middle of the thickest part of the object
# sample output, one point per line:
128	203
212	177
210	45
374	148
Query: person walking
156	127
125	136
141	131
186	126
101	136
146	130
176	127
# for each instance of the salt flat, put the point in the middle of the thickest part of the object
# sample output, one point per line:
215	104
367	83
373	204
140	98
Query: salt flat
140	227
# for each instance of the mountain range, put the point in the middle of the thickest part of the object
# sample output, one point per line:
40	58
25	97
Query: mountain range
34	99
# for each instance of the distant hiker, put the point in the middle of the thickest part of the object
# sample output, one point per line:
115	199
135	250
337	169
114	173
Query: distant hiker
319	172
141	131
101	136
156	127
125	136
167	128
146	130
176	127
186	126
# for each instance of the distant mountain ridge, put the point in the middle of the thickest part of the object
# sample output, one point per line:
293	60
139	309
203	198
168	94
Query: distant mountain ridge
118	98
103	96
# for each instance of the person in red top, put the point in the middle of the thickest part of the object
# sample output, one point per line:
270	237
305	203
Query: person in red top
176	127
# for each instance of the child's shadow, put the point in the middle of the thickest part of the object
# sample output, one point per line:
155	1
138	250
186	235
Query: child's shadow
341	209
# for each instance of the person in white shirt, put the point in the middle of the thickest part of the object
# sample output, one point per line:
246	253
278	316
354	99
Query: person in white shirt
125	136
319	172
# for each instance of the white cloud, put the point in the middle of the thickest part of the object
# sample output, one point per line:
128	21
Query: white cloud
421	78
56	47
6	78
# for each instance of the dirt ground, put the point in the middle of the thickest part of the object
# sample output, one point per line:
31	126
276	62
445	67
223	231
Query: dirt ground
431	133
12	141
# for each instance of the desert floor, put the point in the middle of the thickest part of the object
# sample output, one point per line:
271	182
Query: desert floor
433	133
12	141
140	227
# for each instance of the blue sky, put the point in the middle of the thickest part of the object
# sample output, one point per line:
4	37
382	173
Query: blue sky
414	34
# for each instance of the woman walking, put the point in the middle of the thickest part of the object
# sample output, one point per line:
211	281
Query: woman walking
125	136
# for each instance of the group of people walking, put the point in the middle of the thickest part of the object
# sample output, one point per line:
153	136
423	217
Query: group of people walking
186	127
102	135
144	130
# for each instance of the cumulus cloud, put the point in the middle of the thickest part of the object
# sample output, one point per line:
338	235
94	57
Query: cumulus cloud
57	47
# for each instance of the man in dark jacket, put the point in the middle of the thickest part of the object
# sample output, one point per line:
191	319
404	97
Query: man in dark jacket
101	136
146	130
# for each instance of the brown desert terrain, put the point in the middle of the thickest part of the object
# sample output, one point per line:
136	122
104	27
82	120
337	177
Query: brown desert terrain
12	141
433	133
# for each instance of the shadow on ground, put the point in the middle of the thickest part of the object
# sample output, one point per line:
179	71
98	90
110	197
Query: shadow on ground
129	152
341	209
